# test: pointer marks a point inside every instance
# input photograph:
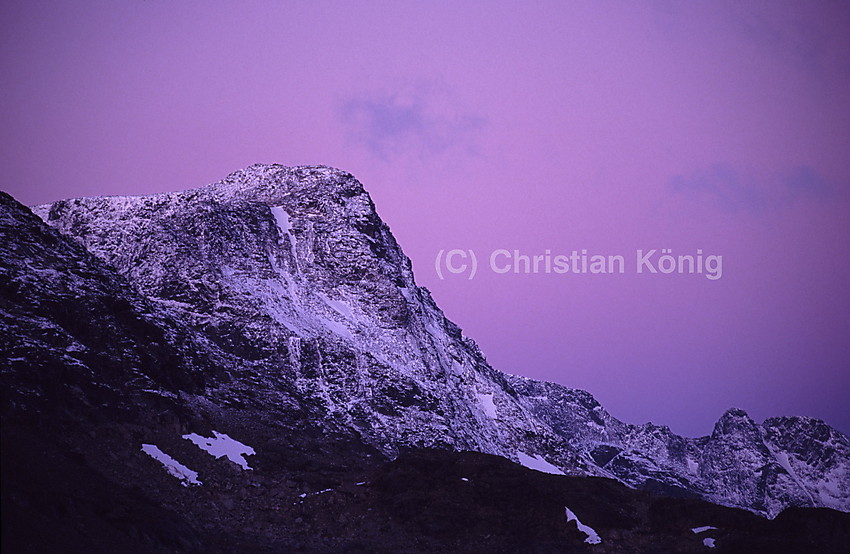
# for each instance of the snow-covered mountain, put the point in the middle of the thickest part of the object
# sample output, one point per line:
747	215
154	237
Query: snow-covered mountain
282	298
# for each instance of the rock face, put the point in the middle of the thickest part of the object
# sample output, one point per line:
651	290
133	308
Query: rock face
72	329
276	303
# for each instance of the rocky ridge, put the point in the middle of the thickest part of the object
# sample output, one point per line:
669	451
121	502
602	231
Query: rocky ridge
299	291
276	306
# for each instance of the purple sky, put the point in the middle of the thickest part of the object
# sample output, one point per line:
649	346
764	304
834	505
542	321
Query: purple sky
517	125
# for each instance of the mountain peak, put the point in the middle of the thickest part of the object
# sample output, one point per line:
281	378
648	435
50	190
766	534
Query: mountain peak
272	183
307	308
735	413
735	421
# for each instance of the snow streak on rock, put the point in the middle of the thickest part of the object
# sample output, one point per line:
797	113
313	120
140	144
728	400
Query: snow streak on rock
537	463
222	445
592	536
173	467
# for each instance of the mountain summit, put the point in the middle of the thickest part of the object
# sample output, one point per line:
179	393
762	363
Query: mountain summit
275	310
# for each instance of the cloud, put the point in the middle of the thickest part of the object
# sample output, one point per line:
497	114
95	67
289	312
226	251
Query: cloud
805	182
722	186
730	189
425	122
794	39
808	36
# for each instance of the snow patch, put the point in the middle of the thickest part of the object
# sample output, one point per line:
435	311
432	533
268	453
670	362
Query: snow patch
407	293
709	542
693	467
487	404
829	489
782	459
537	463
592	536
703	529
338	306
282	219
173	467
335	326
306	494
222	445
166	394
285	225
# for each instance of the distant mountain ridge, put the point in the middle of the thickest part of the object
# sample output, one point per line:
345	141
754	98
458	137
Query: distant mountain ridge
285	299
